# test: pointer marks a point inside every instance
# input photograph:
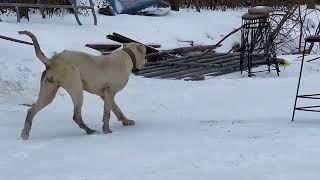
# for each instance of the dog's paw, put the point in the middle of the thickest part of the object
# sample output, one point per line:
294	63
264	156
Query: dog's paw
25	134
92	131
107	131
128	122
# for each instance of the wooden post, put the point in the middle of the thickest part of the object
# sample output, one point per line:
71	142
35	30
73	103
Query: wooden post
197	6
93	12
174	5
75	11
18	13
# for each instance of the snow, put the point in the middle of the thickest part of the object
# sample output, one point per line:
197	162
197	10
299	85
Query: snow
231	127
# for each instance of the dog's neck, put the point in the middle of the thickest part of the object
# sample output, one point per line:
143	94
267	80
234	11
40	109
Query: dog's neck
133	58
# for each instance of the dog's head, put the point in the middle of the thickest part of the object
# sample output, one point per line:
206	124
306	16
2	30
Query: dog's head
139	51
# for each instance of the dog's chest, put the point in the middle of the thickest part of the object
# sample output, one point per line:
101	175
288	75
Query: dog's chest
92	87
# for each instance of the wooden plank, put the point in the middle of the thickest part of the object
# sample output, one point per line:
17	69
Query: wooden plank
182	50
231	65
213	63
208	71
181	72
165	72
187	62
173	75
156	68
224	70
190	59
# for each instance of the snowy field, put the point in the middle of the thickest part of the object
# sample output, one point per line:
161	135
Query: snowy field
231	127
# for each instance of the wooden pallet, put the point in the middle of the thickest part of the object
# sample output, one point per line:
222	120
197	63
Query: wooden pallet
196	68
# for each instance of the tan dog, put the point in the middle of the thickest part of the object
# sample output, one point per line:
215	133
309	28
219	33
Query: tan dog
76	71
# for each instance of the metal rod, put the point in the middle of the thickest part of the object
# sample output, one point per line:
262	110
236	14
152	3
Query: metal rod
299	81
15	40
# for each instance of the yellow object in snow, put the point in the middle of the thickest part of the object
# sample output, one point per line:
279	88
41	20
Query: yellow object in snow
286	63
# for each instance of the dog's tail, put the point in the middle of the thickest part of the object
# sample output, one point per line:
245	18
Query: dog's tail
39	53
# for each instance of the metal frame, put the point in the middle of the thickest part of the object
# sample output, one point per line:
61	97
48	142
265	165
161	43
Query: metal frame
305	96
255	39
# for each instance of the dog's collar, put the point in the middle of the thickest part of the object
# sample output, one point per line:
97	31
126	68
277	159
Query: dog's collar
133	58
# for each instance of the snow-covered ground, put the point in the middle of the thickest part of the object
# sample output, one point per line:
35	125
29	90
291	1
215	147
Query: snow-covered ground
231	127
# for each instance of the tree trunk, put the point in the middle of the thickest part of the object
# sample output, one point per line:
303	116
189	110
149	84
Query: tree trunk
24	12
197	6
311	4
174	5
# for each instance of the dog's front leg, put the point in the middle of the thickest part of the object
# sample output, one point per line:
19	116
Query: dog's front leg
106	113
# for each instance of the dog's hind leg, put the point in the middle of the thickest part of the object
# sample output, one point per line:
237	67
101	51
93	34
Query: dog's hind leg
73	85
47	93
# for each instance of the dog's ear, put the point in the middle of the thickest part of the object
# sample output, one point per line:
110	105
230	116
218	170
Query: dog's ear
141	48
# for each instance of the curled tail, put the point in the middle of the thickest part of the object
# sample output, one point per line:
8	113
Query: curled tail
39	53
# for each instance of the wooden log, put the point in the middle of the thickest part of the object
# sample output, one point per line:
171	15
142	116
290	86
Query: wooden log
123	39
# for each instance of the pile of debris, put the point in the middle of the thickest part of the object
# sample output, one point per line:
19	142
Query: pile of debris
153	54
188	63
